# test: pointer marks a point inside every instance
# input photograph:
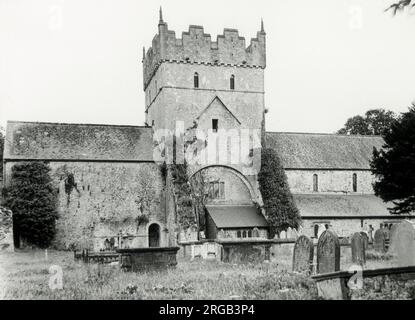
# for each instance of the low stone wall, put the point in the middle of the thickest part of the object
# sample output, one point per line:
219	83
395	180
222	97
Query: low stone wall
6	230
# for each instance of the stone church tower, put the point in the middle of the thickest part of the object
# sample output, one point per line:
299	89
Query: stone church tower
219	85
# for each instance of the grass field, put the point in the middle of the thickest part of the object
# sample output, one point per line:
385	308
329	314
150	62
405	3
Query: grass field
26	275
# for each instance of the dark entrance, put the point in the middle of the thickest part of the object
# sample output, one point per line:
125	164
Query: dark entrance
154	235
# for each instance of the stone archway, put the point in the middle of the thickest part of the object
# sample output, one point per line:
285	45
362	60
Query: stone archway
154	235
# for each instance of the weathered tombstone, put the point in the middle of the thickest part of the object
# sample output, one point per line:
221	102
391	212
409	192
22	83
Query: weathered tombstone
6	230
380	241
365	239
221	234
357	244
403	243
328	253
283	235
255	233
393	234
303	255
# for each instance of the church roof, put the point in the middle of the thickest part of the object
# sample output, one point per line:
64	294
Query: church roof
323	151
62	141
236	216
332	205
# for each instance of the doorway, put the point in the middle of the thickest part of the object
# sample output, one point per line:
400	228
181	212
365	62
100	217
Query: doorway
154	235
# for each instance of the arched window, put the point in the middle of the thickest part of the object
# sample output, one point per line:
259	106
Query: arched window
232	82
249	233
244	234
154	235
315	183
196	80
354	182
238	234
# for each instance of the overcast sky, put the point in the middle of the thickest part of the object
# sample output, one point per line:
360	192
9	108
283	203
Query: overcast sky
80	60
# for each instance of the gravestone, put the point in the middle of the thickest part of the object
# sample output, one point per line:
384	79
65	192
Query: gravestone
403	243
380	241
255	233
221	234
357	244
393	234
328	253
303	255
283	235
365	239
6	230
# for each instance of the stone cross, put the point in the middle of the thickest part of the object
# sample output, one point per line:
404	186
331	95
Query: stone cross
357	244
328	253
303	255
380	241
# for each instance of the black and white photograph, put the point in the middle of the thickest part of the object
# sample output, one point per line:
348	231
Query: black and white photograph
234	151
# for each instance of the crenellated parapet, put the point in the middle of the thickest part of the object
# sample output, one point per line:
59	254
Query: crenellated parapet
196	46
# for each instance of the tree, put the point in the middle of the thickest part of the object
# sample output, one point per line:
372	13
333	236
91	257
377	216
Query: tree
280	209
375	122
1	152
394	165
401	5
32	199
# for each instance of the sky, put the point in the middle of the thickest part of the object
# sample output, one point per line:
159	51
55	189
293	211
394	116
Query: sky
79	61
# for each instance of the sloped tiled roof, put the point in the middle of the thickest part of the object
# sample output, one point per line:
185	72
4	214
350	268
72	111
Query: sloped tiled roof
323	151
60	141
331	205
236	216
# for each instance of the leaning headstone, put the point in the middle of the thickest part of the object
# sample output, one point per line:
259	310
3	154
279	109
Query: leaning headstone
303	255
380	241
396	230
6	230
357	244
328	252
365	239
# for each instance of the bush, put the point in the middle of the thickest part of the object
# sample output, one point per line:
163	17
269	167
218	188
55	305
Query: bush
280	209
32	199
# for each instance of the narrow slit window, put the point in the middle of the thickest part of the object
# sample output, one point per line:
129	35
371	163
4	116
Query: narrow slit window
232	82
315	183
354	182
196	80
215	125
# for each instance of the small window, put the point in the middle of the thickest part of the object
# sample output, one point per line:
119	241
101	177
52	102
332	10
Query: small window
354	182
238	234
249	233
315	183
326	226
232	82
215	125
244	234
196	80
316	230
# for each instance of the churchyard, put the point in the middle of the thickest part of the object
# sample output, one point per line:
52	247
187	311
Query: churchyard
34	274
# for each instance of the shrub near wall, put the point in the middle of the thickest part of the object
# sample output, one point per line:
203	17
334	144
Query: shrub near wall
32	198
280	209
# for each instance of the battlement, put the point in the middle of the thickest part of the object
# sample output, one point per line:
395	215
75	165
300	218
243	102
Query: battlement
196	46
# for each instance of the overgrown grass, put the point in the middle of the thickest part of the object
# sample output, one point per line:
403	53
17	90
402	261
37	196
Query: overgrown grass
26	276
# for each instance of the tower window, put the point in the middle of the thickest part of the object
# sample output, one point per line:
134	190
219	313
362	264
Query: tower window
354	182
232	82
315	183
196	80
215	125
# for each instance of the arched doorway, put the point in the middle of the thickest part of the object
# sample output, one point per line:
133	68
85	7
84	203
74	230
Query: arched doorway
154	235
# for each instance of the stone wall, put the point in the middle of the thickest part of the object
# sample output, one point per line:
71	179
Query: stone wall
6	230
330	181
105	200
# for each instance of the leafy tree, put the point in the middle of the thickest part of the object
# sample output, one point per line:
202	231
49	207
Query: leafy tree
375	122
401	5
32	199
394	165
1	152
280	209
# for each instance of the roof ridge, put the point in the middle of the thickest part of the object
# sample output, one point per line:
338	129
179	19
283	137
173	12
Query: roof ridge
325	134
79	124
